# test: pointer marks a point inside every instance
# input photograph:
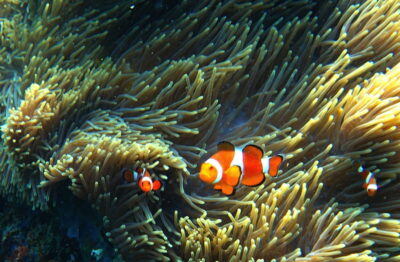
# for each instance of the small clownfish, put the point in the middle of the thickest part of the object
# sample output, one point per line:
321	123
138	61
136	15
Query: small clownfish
143	178
231	166
369	180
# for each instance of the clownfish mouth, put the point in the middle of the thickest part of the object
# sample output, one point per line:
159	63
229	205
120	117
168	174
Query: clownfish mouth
146	186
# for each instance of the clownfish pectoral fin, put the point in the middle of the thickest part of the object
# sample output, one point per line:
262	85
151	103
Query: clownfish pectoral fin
225	146
218	186
253	179
232	175
253	150
227	189
156	185
365	185
274	163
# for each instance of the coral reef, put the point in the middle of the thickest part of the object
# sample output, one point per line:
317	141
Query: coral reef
92	87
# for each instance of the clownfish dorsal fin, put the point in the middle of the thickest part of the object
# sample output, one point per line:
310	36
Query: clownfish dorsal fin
225	146
253	150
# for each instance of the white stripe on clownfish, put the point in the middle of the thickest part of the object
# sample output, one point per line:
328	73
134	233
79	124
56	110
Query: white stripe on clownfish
369	177
265	164
147	179
238	161
238	158
372	187
370	183
218	166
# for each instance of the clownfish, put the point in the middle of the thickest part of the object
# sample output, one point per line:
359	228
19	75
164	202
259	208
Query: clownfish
369	180
231	166
143	178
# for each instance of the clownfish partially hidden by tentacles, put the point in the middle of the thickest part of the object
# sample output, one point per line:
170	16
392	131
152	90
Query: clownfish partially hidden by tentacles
231	166
369	180
143	178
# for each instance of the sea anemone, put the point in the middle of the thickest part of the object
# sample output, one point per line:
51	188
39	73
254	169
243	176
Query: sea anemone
91	88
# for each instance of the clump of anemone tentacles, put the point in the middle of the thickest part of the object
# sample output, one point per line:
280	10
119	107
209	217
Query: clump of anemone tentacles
90	88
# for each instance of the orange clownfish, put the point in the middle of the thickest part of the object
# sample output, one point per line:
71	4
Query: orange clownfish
369	180
231	166
143	178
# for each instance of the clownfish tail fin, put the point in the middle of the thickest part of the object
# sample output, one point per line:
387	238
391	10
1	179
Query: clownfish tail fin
274	163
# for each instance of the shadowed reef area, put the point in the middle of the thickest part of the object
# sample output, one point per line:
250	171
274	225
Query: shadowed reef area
88	88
